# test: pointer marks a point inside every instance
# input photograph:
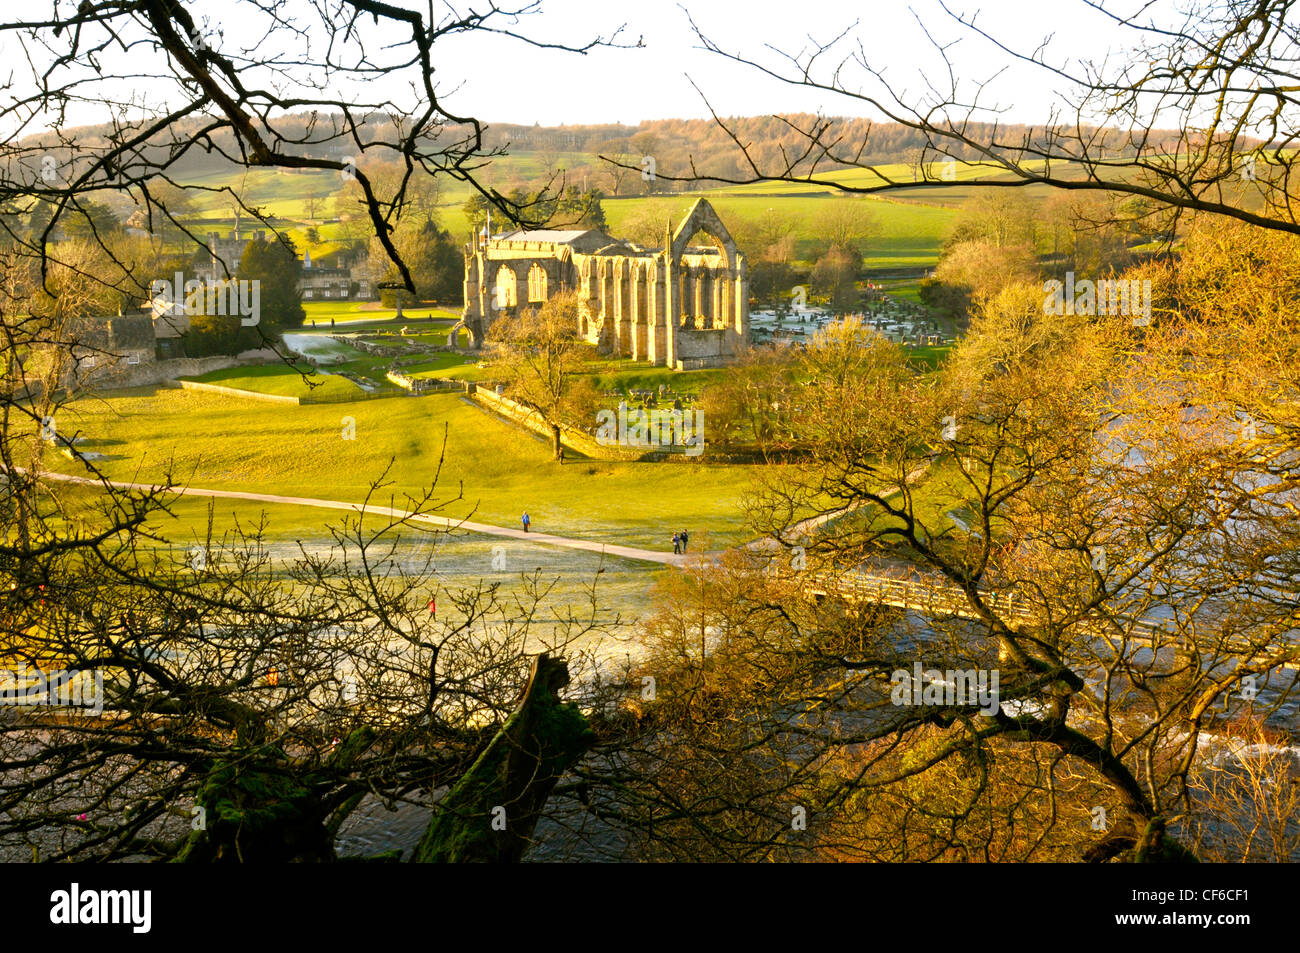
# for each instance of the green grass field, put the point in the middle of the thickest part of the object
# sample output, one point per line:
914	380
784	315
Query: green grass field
354	313
451	366
912	231
282	380
928	357
910	235
211	440
625	375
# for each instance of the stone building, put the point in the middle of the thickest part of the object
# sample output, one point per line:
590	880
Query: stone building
680	306
344	278
109	348
225	254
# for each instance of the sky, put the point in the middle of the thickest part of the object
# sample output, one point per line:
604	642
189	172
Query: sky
526	85
667	73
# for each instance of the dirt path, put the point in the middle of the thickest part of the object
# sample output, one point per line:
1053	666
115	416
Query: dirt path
488	529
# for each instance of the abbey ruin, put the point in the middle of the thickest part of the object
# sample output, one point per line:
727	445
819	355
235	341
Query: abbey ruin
680	306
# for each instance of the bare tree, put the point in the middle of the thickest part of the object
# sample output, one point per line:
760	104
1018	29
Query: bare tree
199	699
847	225
225	96
1248	800
1192	109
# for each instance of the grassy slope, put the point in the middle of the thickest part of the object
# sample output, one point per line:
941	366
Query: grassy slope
911	232
358	312
279	379
911	235
232	443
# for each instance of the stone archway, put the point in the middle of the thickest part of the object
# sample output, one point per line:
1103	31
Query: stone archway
693	292
453	335
702	218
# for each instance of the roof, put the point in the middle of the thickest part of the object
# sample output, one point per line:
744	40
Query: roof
127	332
170	325
558	236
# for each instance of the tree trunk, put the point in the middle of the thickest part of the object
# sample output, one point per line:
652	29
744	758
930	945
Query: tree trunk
490	813
556	446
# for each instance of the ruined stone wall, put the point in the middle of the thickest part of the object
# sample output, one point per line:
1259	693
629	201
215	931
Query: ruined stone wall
662	306
484	270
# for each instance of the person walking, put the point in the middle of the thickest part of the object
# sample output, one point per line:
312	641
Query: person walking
526	521
677	542
684	537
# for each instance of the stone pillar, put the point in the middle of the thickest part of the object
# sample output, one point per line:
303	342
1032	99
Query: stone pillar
654	307
602	281
701	297
716	284
672	302
726	284
672	309
740	317
622	309
470	287
598	323
635	317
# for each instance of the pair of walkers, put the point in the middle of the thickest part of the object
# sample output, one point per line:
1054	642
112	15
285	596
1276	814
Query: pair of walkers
679	541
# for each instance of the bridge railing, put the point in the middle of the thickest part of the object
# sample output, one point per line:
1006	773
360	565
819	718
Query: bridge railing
940	597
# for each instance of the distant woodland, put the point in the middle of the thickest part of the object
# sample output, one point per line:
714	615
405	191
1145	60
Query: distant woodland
680	147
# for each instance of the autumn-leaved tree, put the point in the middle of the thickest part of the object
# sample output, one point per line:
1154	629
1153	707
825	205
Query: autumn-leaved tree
540	357
1089	512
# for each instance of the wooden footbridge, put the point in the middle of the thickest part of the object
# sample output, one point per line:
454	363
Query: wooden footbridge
935	596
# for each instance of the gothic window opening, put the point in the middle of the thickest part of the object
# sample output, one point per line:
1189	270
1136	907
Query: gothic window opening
536	284
506	293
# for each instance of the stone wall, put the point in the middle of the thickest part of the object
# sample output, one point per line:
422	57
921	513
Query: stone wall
235	392
145	375
570	437
577	440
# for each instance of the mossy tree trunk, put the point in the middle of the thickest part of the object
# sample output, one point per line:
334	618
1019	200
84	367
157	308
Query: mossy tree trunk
490	813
